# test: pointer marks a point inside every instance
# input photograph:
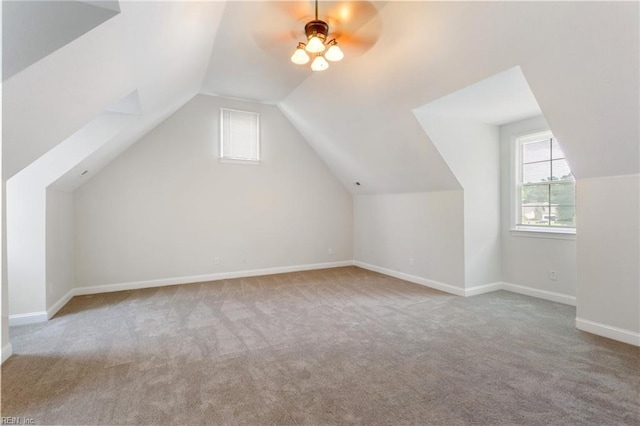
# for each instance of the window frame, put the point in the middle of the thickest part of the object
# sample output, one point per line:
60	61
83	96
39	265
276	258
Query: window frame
517	228
239	160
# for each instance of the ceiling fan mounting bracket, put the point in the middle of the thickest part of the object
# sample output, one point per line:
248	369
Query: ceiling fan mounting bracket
316	28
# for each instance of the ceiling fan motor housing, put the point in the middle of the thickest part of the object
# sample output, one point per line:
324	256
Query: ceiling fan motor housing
318	28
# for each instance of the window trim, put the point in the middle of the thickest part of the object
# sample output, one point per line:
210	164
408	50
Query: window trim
516	228
238	160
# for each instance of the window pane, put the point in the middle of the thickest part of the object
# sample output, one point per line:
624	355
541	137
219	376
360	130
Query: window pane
563	194
535	194
547	187
536	172
535	215
536	151
239	136
226	131
556	151
561	170
563	216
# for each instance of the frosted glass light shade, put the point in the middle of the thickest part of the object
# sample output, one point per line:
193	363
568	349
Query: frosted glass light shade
315	45
319	64
334	53
300	57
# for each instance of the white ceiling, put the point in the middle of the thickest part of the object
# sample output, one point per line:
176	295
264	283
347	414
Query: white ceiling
581	65
158	49
500	99
580	60
250	57
35	29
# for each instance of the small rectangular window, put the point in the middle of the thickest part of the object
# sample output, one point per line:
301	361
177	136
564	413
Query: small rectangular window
545	187
239	135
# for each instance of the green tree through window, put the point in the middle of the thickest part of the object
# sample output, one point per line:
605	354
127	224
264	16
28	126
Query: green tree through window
547	187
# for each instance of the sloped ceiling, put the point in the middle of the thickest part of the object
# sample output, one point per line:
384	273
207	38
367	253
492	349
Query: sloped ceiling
160	49
240	68
497	100
250	58
580	59
35	29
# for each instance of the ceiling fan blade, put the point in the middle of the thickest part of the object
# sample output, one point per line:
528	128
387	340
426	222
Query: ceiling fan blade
347	15
297	10
279	26
270	40
353	45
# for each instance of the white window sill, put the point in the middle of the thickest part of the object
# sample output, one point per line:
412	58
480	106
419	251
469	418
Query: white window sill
239	161
533	232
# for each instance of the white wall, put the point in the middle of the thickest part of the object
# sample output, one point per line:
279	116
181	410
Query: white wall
5	345
471	150
30	290
528	258
59	246
26	206
608	241
35	29
427	227
167	207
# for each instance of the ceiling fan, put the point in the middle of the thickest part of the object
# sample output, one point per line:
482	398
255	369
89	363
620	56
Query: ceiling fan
320	30
316	32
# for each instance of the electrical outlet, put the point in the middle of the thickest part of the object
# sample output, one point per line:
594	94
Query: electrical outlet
553	275
411	261
216	260
330	251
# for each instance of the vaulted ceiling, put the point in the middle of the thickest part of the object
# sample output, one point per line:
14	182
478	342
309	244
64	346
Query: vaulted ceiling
579	59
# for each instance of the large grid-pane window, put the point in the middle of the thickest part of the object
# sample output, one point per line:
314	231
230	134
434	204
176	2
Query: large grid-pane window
239	135
546	190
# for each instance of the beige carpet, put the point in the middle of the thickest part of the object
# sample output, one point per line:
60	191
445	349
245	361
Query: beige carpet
336	346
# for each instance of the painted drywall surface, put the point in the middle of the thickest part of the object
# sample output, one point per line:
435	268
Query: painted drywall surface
28	251
391	229
608	245
35	29
527	259
159	48
471	150
168	207
429	49
4	292
26	204
59	245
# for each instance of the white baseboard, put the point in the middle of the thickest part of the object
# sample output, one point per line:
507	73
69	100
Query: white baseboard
614	333
42	316
481	289
622	335
108	288
472	291
35	317
7	351
540	294
60	303
28	318
412	278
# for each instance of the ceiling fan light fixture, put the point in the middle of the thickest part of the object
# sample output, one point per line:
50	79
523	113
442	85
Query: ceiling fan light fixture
334	53
315	45
316	32
300	57
319	63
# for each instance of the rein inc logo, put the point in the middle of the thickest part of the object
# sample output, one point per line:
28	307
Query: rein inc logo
17	421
